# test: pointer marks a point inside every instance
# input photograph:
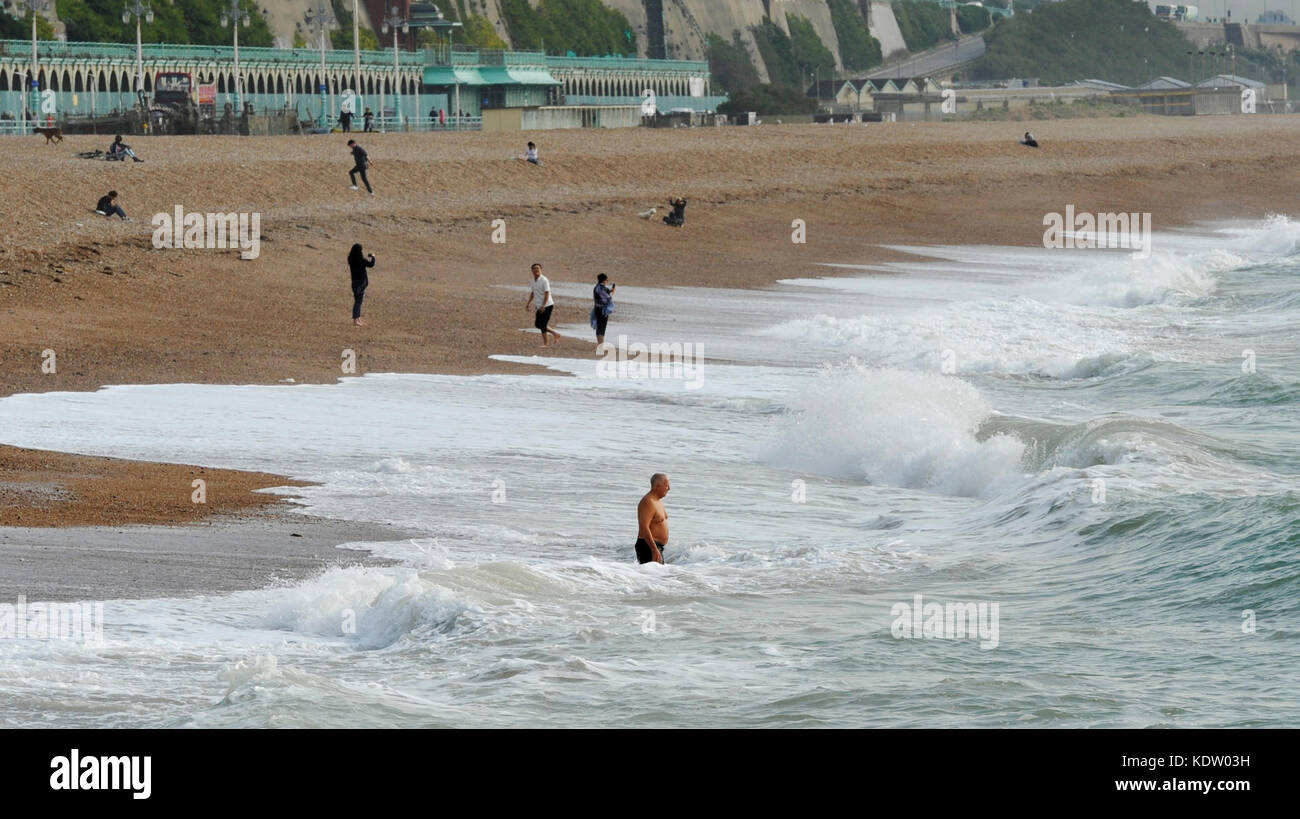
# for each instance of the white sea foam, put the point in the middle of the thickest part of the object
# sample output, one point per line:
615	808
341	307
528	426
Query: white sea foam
895	427
375	607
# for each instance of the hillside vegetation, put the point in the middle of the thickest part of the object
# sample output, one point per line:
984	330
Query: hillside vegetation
1116	40
181	21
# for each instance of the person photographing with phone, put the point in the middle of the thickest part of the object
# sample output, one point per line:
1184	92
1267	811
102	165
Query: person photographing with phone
358	262
604	298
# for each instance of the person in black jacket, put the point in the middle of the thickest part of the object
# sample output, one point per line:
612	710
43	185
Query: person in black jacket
362	161
678	217
108	206
358	262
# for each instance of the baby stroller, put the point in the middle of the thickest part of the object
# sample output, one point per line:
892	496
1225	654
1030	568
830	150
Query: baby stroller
678	217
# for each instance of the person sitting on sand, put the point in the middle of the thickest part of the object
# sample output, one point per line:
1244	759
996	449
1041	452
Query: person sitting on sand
530	154
107	206
357	263
678	217
119	150
1029	140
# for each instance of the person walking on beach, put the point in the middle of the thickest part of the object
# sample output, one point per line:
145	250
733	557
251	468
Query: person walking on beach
604	298
541	294
108	206
362	162
358	262
345	121
368	120
652	522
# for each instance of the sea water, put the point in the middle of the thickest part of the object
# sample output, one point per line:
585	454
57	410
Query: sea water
1093	453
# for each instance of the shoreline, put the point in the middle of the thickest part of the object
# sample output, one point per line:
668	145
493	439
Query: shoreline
447	299
218	555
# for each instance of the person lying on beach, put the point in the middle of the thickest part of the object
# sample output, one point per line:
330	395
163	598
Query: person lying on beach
107	206
357	263
1029	140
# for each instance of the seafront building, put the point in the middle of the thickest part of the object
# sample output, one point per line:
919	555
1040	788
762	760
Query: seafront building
486	88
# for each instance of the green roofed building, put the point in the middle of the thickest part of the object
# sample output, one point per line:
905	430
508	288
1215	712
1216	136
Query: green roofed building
429	88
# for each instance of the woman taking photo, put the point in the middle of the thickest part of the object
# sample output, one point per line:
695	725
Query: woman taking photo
358	262
604	298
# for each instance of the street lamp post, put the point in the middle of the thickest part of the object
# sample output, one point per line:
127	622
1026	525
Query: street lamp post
235	17
356	53
439	24
321	20
17	10
394	20
138	9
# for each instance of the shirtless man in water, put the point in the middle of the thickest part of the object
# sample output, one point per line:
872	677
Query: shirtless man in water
652	522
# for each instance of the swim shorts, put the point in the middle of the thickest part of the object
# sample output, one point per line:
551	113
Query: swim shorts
643	550
543	318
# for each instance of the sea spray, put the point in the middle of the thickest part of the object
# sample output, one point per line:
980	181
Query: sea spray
916	430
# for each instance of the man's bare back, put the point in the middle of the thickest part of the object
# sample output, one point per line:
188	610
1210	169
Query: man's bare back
652	522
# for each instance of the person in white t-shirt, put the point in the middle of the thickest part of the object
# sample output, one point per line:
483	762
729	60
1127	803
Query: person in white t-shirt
530	154
544	304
